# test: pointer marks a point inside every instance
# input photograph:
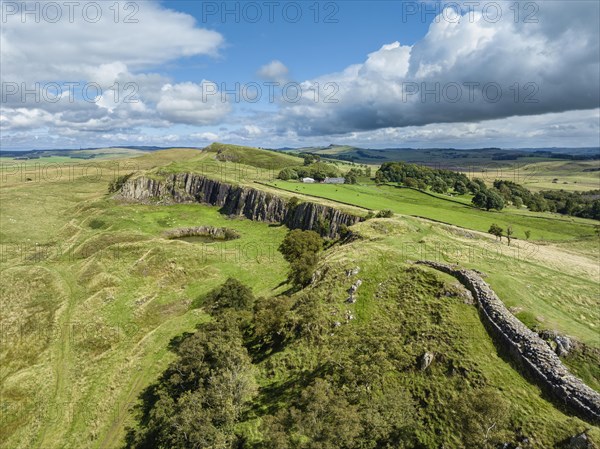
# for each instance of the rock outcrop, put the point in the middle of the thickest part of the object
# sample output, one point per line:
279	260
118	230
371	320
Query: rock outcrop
239	201
526	346
203	231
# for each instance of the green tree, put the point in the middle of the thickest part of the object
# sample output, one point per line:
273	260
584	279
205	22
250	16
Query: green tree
527	234
387	213
480	200
496	231
201	397
271	324
460	188
301	249
509	233
494	201
298	242
288	173
232	294
302	269
439	186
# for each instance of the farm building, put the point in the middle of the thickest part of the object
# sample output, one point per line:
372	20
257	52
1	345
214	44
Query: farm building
334	180
308	180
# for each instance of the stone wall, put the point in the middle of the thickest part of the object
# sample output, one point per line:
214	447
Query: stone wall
235	200
526	346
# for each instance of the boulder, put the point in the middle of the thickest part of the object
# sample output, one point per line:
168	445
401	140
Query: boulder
426	360
580	441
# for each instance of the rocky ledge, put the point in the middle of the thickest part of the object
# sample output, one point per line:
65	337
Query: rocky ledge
238	201
526	346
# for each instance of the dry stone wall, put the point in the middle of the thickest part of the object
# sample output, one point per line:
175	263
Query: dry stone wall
526	346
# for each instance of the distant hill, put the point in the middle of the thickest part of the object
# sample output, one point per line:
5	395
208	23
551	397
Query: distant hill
446	155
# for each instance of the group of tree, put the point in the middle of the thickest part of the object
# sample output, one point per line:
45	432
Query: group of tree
351	399
423	178
498	232
203	394
578	204
301	249
317	170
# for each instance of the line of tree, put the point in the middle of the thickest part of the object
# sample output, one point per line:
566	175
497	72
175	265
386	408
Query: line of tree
578	204
423	178
317	170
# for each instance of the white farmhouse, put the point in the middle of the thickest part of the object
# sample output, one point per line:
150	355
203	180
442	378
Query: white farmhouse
308	180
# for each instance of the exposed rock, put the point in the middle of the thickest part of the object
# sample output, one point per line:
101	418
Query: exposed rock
237	201
351	299
349	315
426	360
532	351
580	441
354	287
563	345
208	231
352	272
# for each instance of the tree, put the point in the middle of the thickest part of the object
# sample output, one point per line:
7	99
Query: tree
517	202
480	200
527	234
439	186
200	398
387	213
302	269
232	294
298	242
509	233
300	249
271	324
496	230
488	199
288	173
460	188
494	201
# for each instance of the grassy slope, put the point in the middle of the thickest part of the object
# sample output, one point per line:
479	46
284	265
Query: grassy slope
91	326
87	320
401	308
543	226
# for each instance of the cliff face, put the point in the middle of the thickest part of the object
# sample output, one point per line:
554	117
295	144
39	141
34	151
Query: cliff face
241	201
526	346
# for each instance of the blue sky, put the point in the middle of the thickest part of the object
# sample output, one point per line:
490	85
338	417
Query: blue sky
389	74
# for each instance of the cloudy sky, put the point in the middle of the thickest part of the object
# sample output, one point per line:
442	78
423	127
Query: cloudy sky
277	74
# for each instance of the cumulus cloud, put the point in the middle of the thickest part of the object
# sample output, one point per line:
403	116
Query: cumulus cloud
192	104
464	70
274	71
100	71
101	50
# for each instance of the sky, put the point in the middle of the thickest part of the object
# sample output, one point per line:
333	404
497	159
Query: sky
278	74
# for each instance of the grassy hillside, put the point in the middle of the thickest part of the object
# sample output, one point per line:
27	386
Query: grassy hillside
457	211
92	294
536	173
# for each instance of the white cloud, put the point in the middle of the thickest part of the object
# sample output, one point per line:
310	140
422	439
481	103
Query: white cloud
538	68
35	51
274	71
193	104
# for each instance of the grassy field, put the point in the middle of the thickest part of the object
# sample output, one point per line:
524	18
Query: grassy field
543	226
92	294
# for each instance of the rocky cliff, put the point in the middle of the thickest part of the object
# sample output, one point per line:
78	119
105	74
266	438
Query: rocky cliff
526	346
235	200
